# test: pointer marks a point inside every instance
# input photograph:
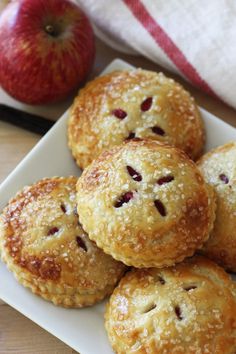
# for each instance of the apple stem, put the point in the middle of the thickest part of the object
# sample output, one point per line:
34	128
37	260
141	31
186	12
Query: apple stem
49	29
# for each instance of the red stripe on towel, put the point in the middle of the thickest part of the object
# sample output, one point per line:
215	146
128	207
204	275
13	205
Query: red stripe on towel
167	45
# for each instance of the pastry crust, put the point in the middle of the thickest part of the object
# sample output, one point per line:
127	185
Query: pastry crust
189	308
43	244
219	170
136	103
146	204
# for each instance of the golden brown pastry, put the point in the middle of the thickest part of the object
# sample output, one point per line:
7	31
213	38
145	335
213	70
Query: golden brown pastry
146	204
219	170
186	309
46	248
127	104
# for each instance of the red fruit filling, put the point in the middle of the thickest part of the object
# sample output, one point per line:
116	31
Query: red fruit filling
160	207
63	208
146	104
119	113
125	198
81	243
224	178
164	180
134	174
157	130
178	313
52	231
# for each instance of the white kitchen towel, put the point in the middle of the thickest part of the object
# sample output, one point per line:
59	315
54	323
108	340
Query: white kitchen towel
194	38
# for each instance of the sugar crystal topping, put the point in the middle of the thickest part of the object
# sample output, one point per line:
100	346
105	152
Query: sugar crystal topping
42	233
146	205
136	104
172	316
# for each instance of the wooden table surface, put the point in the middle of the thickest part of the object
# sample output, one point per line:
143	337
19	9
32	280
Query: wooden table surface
17	333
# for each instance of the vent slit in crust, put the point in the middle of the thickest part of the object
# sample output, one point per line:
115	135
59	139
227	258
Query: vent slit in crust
125	198
146	104
81	243
160	207
134	174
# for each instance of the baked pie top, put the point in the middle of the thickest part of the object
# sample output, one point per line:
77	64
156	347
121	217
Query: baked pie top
145	203
42	241
219	170
189	308
126	104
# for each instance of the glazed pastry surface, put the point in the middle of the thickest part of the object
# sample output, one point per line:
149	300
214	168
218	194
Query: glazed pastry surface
43	244
146	204
189	308
219	170
127	104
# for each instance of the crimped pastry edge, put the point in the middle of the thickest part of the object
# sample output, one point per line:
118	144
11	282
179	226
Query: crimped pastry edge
58	295
224	276
142	263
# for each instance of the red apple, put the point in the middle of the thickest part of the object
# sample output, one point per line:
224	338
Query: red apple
46	49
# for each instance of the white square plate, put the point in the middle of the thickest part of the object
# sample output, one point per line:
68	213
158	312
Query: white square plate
81	329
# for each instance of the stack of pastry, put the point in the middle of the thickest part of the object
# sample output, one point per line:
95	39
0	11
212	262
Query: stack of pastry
141	205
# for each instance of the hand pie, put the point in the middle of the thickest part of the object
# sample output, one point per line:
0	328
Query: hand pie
146	204
126	104
189	308
219	170
46	248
